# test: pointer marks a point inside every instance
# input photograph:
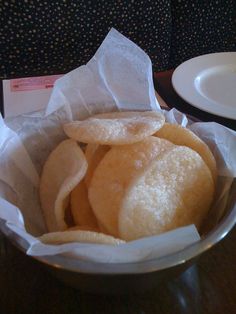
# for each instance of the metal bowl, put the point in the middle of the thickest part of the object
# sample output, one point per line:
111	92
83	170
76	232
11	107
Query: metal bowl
132	277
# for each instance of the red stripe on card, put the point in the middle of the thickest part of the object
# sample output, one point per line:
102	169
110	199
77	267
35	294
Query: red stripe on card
33	83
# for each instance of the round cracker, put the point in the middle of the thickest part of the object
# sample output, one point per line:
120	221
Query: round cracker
182	136
175	190
62	171
80	207
81	236
113	175
94	154
115	128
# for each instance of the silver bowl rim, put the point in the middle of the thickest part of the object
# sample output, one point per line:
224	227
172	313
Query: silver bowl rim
65	263
96	268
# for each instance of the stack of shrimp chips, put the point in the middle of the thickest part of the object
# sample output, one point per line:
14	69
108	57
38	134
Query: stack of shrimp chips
137	177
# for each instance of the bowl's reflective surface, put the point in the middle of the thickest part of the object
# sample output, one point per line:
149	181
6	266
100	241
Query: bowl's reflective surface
112	278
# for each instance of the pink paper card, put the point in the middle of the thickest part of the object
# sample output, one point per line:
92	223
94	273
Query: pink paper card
24	95
33	83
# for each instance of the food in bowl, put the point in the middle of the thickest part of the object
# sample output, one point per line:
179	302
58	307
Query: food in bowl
138	177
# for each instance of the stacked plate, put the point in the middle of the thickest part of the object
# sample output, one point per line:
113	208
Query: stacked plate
208	82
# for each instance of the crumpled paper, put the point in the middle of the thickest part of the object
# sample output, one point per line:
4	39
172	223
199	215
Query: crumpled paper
118	77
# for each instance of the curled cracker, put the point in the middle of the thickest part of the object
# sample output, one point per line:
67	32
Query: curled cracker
62	171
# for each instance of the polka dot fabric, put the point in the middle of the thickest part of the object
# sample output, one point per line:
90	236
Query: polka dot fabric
46	37
50	37
200	27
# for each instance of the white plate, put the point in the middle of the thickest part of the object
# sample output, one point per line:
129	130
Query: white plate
208	82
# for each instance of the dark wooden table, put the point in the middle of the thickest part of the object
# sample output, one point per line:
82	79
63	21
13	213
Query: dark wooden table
207	287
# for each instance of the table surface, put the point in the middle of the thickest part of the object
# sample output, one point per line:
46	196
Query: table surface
208	286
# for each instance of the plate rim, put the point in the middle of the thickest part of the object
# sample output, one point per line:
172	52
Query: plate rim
180	70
